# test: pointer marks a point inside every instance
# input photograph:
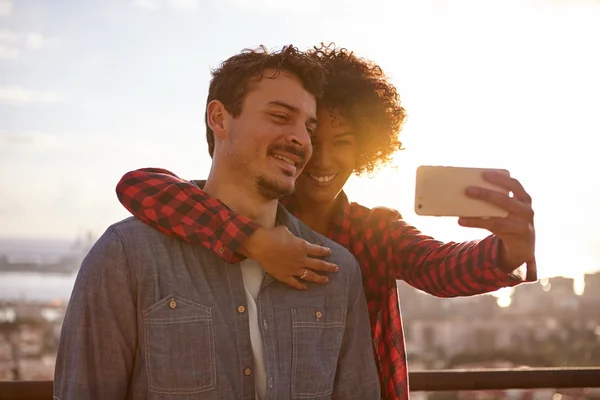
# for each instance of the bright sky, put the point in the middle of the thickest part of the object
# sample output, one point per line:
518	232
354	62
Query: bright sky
90	90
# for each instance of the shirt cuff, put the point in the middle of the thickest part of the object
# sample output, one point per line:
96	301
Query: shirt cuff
527	272
231	235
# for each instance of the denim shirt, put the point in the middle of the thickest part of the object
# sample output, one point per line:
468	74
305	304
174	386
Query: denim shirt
152	317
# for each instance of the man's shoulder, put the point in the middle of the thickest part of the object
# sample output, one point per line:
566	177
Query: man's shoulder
135	234
127	242
133	229
143	247
131	224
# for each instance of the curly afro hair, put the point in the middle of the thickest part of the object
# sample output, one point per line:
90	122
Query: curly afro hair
361	92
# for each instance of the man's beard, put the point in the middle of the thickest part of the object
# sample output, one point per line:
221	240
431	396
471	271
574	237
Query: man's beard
270	189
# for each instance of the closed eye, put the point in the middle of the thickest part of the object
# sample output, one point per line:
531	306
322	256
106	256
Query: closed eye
280	117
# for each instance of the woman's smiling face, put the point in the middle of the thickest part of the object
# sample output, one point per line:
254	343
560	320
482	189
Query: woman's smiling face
333	160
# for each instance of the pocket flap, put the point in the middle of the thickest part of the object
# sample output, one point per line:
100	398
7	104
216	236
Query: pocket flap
318	317
174	307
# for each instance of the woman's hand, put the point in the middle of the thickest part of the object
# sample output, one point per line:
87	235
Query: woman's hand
288	258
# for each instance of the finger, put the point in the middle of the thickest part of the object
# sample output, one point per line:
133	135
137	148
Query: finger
509	183
498	226
293	282
315	250
320	265
284	230
520	192
511	204
312	276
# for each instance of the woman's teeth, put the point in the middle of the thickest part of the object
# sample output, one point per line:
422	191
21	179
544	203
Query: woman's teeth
322	179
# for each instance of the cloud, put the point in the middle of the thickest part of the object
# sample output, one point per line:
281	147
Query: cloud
35	40
67	144
148	4
12	44
6	7
178	4
19	95
31	142
294	9
8	42
7	36
8	53
184	4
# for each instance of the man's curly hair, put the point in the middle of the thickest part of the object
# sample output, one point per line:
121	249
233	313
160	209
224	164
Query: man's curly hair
237	75
361	92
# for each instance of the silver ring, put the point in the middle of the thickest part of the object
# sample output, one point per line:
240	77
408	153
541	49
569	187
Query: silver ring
304	274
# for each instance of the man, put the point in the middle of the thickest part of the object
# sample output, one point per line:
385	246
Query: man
360	118
151	317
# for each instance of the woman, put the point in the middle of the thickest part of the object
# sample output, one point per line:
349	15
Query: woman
360	118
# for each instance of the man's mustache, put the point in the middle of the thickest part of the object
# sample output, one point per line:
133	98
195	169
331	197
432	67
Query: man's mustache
291	149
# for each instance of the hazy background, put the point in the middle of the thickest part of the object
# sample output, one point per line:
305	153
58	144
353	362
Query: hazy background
92	89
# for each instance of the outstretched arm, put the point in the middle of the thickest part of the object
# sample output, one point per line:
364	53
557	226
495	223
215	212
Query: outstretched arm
455	269
446	269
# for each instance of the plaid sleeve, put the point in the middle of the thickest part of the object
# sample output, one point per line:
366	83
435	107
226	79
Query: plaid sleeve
182	210
443	269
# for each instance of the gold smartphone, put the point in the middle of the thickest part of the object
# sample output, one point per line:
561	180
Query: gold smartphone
440	191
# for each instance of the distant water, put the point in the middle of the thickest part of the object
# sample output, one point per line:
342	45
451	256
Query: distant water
30	285
35	286
46	249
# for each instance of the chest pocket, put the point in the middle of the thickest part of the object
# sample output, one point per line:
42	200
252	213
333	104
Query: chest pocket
179	347
316	341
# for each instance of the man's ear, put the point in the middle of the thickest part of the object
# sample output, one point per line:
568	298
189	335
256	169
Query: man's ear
216	117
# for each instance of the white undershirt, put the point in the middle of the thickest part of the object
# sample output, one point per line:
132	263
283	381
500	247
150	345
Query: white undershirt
252	275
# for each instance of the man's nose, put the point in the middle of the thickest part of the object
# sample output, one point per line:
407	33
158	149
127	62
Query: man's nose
300	137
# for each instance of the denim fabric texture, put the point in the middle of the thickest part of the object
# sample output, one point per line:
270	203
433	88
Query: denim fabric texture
152	317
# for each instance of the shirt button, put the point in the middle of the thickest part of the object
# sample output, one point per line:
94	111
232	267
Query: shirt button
247	371
221	249
173	304
318	314
241	309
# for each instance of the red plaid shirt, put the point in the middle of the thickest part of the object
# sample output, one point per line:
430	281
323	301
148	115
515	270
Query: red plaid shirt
386	247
